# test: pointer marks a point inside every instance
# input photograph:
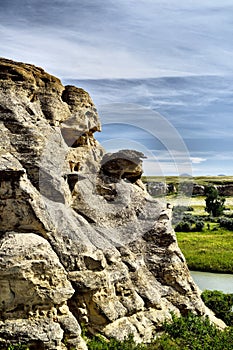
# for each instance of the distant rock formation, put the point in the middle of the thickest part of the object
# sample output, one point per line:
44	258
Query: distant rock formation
225	190
81	240
159	188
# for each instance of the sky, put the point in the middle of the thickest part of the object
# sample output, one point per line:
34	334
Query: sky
172	60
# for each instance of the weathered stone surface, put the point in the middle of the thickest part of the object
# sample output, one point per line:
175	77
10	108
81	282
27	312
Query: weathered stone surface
124	164
81	240
157	188
34	293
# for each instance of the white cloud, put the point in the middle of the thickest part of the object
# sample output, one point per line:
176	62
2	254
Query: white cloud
129	39
121	39
197	160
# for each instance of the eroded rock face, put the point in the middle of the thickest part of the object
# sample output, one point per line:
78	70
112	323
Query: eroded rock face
34	293
81	239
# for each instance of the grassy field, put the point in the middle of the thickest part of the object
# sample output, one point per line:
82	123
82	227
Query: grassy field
208	250
211	249
200	180
197	203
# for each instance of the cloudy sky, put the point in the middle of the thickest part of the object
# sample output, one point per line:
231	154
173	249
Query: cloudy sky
170	57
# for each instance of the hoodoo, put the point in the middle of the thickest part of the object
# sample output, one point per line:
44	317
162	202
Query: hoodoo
81	240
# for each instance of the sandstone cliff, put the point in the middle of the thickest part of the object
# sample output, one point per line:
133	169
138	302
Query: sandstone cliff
81	240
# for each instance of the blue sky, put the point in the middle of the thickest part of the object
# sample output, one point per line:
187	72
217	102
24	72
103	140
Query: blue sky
172	57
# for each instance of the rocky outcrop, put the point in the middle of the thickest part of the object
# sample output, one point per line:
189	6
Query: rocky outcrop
225	190
82	242
198	190
158	188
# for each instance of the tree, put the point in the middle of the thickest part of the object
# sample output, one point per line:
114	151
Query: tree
214	203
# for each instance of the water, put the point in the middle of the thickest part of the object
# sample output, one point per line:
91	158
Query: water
213	281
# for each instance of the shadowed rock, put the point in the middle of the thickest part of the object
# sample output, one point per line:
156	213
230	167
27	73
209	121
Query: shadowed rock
124	164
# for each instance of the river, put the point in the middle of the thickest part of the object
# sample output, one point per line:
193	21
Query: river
213	281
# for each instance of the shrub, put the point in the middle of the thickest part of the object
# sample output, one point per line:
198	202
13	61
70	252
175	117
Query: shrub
99	343
199	226
221	304
183	226
226	223
178	213
197	333
186	226
189	332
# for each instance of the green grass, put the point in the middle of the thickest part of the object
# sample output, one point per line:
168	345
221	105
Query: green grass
189	332
200	180
217	180
208	250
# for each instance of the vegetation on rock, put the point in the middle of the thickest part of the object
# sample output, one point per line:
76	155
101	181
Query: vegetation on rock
183	333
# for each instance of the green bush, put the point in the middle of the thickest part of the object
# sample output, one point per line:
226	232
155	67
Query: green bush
178	213
99	343
220	303
186	226
199	226
183	226
226	223
189	332
196	333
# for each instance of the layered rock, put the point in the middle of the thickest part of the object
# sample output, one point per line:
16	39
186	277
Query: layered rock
81	239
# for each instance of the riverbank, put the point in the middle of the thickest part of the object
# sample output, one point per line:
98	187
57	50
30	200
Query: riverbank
213	281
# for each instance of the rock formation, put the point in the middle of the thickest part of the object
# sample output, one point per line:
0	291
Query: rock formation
81	240
159	188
